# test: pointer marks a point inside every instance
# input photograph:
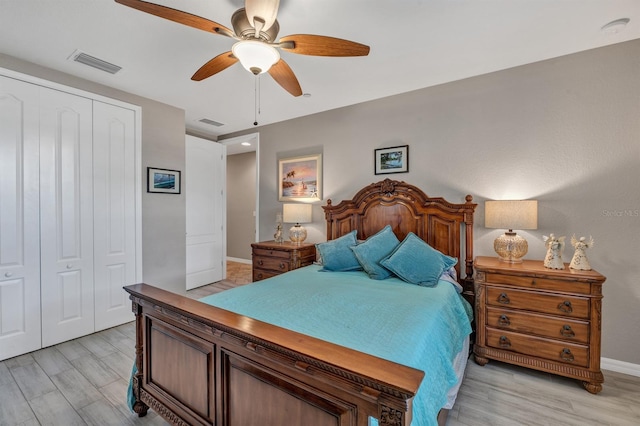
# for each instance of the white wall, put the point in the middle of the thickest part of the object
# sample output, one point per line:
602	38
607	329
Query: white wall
564	131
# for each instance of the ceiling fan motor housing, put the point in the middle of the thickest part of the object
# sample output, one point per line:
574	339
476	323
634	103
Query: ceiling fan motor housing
245	30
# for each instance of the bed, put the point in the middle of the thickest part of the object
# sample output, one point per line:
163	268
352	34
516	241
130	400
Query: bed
201	364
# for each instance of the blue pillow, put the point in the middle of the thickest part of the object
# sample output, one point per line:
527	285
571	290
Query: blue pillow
373	250
336	254
416	262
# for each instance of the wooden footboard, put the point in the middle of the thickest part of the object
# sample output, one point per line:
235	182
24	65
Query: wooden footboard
201	365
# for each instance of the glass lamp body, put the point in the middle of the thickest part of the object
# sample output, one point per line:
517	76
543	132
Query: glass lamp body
511	247
297	234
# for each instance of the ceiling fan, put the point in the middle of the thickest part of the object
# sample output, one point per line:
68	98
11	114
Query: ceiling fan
255	28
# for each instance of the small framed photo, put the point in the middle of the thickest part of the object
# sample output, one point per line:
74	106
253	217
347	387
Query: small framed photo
163	181
392	160
300	178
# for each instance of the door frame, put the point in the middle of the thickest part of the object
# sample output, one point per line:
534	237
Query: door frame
254	139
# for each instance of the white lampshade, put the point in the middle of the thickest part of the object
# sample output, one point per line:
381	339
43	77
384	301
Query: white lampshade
297	213
511	214
255	56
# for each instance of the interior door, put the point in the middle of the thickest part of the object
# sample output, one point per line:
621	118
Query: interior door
114	212
19	219
205	165
66	216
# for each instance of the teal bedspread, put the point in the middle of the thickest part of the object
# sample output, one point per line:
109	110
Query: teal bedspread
416	326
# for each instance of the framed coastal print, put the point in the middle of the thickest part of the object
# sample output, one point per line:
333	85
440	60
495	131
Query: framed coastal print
300	178
392	160
163	181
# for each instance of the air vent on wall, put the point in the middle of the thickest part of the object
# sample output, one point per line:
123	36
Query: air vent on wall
210	122
94	62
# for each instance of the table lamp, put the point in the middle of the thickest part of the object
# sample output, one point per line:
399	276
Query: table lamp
297	213
511	214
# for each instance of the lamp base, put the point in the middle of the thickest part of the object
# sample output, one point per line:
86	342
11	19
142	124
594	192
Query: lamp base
297	234
510	247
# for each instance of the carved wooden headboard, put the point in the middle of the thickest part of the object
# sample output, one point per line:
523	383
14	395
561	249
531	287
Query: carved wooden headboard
407	209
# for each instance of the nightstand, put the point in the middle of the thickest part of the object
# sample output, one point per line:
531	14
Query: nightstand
271	258
546	319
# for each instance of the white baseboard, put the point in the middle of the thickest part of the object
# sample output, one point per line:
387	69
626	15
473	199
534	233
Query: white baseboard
620	366
238	260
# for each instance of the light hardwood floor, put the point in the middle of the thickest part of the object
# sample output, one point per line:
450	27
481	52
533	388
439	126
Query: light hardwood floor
84	382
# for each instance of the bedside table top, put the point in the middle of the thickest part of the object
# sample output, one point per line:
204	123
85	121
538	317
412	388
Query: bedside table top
534	267
285	245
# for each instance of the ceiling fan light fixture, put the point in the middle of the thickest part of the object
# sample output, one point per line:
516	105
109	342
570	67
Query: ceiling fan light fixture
255	56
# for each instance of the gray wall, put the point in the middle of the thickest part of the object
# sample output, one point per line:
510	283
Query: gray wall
163	215
241	204
564	131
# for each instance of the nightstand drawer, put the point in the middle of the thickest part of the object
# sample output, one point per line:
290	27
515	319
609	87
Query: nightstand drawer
558	304
546	326
564	352
271	253
261	274
274	264
539	283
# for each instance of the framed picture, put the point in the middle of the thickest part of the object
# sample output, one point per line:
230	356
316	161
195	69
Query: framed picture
163	181
392	160
300	178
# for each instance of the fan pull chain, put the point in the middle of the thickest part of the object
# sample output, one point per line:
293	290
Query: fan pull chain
257	99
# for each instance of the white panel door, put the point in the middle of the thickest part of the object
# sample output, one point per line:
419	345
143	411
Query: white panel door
19	219
205	165
114	212
66	216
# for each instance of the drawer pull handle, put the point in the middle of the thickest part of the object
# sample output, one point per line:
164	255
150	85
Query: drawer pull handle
505	342
533	282
282	265
566	355
260	262
565	307
504	299
567	331
504	321
8	274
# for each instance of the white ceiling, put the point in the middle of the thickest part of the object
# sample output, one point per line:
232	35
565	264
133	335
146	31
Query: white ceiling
414	44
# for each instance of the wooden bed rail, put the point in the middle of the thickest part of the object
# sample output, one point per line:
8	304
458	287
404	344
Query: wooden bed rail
201	365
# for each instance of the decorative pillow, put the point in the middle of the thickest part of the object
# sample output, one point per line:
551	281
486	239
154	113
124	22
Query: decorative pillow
373	250
416	262
336	254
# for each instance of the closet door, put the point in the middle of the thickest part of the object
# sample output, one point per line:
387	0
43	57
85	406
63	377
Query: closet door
66	216
114	212
19	219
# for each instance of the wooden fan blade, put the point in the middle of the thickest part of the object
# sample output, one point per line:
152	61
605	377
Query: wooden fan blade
178	16
284	76
214	66
316	45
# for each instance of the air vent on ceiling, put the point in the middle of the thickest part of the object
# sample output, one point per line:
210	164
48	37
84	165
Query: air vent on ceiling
210	122
94	62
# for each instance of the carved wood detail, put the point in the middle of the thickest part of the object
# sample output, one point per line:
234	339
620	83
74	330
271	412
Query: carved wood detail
162	410
390	416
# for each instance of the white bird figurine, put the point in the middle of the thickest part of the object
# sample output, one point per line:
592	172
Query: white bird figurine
579	260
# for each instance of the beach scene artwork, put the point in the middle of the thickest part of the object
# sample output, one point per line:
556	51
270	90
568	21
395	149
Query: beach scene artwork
300	178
